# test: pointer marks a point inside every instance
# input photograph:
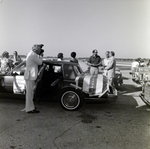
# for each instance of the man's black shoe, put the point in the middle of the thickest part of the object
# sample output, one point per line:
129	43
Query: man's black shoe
34	111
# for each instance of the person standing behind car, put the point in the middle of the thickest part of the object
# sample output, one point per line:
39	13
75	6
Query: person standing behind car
73	57
94	62
33	60
105	62
110	68
60	56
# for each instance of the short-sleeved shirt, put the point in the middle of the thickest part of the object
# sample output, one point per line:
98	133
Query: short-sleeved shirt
95	60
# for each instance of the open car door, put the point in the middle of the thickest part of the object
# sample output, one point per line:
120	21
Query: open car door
40	73
19	85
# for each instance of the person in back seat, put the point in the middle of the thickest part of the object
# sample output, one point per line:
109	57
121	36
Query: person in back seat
60	58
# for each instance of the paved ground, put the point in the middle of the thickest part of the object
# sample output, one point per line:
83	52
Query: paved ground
121	125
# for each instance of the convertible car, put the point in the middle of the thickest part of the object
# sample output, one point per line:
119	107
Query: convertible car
63	81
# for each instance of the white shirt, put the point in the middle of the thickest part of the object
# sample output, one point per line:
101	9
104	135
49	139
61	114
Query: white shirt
135	64
105	63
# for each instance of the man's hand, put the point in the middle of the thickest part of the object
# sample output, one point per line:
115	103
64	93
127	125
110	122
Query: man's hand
89	64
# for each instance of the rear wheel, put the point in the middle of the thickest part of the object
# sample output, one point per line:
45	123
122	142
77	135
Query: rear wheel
71	100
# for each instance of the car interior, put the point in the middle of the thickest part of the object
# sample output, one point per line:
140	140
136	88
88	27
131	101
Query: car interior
51	77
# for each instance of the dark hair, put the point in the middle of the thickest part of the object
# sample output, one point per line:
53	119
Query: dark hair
113	53
60	55
5	54
73	54
94	51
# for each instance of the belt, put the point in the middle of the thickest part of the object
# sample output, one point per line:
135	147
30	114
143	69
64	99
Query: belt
95	66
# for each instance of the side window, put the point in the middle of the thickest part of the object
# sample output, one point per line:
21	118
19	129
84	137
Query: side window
57	69
69	72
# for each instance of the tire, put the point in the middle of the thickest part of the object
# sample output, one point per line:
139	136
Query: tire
71	99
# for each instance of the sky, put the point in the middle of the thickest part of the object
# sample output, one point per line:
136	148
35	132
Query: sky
122	26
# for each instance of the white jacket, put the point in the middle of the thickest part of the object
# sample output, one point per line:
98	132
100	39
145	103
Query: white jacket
111	67
32	62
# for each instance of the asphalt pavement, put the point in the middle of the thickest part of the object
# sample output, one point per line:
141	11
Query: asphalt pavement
124	124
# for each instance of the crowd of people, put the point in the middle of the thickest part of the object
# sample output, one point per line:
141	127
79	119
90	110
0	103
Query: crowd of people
35	58
7	62
109	65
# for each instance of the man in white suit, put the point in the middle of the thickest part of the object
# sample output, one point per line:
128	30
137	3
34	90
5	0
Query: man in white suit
33	60
111	68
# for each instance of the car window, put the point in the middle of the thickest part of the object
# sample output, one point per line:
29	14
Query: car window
69	72
57	68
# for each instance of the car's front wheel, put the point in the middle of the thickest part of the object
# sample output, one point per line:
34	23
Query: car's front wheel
71	100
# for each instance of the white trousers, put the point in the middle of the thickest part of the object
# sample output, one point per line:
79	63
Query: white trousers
94	70
29	106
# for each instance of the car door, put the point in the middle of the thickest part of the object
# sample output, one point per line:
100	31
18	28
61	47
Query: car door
19	86
6	84
18	80
13	82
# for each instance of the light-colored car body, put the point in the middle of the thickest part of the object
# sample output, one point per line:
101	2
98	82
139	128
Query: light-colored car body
70	86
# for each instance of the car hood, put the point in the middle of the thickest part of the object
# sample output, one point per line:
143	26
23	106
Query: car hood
92	84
